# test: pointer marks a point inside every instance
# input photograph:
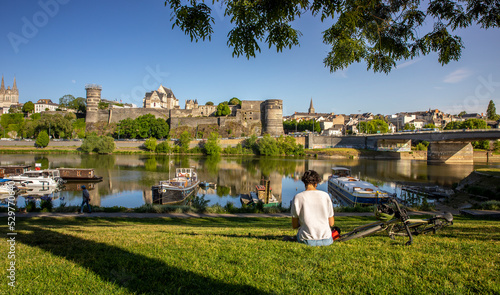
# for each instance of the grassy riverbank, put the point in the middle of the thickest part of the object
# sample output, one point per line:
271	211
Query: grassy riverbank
231	255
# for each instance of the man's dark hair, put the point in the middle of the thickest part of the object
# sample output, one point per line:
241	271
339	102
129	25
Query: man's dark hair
310	177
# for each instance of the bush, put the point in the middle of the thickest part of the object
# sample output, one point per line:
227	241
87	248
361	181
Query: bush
163	147
31	206
150	144
42	140
46	205
199	203
100	145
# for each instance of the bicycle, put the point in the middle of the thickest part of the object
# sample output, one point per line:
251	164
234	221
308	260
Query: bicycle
401	225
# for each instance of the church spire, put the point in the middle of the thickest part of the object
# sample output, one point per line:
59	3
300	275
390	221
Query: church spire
14	87
311	108
3	85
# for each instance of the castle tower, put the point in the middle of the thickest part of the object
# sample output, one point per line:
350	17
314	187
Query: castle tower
273	117
311	108
93	99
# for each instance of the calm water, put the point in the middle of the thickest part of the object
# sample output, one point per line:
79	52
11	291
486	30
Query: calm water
127	179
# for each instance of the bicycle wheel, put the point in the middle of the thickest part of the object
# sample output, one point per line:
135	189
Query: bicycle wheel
430	225
360	233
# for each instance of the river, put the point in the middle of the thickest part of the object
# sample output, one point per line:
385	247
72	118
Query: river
127	179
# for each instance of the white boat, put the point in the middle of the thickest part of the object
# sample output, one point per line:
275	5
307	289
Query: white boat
177	189
7	186
37	178
354	191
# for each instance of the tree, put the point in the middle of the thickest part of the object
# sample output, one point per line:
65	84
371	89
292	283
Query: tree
98	144
462	113
409	126
69	101
234	101
377	32
491	112
163	147
209	103
42	139
268	146
429	125
150	144
184	141
223	110
212	146
28	107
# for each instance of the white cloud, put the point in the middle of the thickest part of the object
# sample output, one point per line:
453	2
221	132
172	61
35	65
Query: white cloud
457	76
407	64
73	81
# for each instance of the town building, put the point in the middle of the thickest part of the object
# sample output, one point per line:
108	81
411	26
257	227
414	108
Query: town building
8	96
163	98
43	105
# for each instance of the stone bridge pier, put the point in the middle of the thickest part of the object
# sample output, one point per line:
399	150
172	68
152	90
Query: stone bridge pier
450	153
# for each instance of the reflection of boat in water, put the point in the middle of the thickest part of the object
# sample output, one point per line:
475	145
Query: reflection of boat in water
205	184
36	191
354	191
262	194
177	189
79	174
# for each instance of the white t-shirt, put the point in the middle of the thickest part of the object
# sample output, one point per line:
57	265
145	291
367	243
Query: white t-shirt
313	208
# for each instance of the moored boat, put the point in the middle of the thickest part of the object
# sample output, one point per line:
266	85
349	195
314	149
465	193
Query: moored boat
354	191
79	174
43	178
262	194
178	189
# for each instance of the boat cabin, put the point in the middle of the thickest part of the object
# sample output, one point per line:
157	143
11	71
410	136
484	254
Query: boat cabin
341	172
12	170
77	173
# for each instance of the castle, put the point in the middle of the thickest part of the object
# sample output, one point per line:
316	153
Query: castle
251	117
8	96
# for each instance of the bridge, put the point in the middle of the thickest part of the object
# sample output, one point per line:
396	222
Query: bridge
449	146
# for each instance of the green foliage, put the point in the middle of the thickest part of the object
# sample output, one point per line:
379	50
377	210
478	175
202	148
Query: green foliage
420	147
481	144
409	126
69	101
150	144
36	116
467	124
57	125
144	126
234	101
288	146
209	103
223	110
163	147
42	139
491	112
103	105
98	144
212	146
184	141
429	125
268	146
28	107
373	126
380	33
199	203
46	205
304	125
31	206
462	113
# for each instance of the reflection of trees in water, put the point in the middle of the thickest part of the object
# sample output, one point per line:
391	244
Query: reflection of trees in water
98	161
211	165
44	161
223	191
286	167
150	164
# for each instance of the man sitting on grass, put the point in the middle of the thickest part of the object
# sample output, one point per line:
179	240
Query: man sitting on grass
312	213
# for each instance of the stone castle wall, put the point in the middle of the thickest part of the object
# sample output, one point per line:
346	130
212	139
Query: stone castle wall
253	117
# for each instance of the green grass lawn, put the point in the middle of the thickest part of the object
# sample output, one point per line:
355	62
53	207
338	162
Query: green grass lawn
247	255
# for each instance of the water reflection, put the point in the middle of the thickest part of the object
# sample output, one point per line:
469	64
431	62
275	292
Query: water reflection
127	179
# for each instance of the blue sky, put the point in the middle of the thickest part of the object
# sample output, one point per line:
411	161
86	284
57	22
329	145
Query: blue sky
129	48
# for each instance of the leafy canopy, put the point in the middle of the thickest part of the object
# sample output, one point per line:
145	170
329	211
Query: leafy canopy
378	32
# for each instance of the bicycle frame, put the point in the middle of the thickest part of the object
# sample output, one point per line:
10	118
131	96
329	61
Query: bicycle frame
401	225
